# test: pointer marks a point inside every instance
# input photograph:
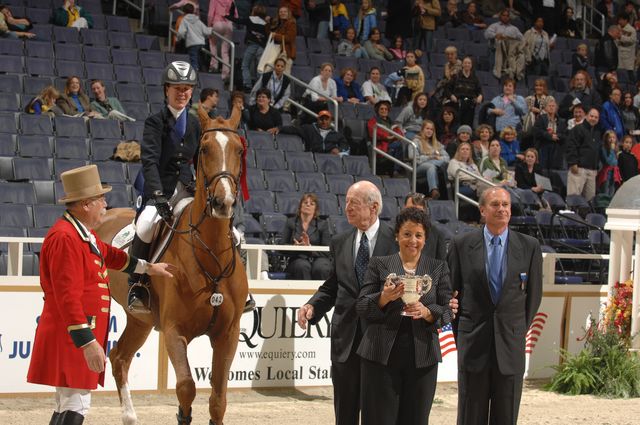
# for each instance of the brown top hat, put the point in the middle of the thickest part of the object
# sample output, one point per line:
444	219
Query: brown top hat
82	183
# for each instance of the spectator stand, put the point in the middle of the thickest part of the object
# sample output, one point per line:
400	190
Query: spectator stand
412	168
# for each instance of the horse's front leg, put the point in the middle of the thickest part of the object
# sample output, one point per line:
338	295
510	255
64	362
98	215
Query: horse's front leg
134	335
185	385
224	350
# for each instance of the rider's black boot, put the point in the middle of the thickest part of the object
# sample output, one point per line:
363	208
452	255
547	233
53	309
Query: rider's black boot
138	298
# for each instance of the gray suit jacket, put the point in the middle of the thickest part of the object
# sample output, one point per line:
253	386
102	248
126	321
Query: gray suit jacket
480	323
382	324
341	290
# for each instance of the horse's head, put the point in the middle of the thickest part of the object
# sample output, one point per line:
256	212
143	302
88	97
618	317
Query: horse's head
219	162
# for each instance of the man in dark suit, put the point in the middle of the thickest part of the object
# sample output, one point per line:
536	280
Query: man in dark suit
435	246
498	273
351	251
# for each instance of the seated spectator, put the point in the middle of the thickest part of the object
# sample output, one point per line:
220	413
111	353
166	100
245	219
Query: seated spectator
70	15
350	46
431	156
285	31
306	229
568	24
472	19
630	10
630	114
494	167
209	101
407	82
578	115
262	116
398	51
463	135
348	89
194	33
385	141
278	84
506	41
606	83
373	90
537	48
107	107
484	135
74	102
410	119
255	40
451	14
550	132
580	59
45	102
536	103
12	27
321	88
447	127
465	90
581	92
627	163
453	64
606	57
340	19
608	179
510	146
463	160
320	136
610	116
526	172
509	108
365	21
374	47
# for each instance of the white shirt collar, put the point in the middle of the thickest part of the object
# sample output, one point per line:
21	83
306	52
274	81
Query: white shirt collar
175	112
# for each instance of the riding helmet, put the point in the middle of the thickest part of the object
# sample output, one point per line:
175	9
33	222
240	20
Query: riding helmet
180	72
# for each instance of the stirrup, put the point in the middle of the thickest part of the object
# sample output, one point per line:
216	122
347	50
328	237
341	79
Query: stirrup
250	305
135	303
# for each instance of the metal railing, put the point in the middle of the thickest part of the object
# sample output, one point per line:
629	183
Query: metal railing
589	16
458	196
307	110
375	151
139	8
232	53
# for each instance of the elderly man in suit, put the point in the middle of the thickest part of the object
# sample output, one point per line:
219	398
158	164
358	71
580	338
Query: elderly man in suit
498	273
351	251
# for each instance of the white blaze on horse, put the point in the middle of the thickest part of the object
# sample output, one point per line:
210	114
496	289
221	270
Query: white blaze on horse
203	249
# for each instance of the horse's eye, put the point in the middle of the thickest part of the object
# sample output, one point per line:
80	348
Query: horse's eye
204	150
240	152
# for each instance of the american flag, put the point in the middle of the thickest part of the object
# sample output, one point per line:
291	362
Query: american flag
535	330
447	342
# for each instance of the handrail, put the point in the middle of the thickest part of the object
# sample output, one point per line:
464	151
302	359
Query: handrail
232	58
457	195
307	110
135	6
375	151
590	10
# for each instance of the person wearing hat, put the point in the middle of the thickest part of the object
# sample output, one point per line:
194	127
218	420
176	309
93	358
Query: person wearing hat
320	136
169	146
70	340
385	141
463	135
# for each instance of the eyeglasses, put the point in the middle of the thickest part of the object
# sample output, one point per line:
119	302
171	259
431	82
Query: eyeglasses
323	118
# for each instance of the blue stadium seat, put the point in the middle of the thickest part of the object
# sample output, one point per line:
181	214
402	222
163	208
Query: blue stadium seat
17	192
377	180
120	196
102	149
261	201
34	85
128	74
105	129
251	226
43	31
94	37
397	187
11	64
251	158
329	163
151	59
36	124
133	168
70	68
10	83
319	45
8	144
137	110
311	182
35	146
45	216
130	92
38	15
118	23
152	76
338	224
339	183
210	81
97	54
289	142
61	165
99	71
274	226
99	22
67	52
260	140
357	165
70	127
123	40
32	168
365	111
9	102
124	56
15	215
389	208
13	232
66	35
133	130
44	192
288	202
13	47
6	168
279	180
442	211
327	204
270	160
71	148
255	179
112	172
147	42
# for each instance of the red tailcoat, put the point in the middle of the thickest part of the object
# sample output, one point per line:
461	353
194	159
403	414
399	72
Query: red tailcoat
74	278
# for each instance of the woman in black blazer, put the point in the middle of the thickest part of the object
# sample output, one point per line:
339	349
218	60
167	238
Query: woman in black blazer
305	228
400	354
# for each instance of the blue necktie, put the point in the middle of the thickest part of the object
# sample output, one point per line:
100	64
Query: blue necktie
181	125
362	259
495	269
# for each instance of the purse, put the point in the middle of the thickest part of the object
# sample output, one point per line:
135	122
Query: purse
272	51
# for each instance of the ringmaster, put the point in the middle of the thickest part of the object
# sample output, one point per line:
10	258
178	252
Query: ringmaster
70	340
498	275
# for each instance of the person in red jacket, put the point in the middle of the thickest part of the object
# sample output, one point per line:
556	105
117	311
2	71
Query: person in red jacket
70	340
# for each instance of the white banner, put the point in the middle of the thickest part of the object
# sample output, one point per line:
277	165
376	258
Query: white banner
19	313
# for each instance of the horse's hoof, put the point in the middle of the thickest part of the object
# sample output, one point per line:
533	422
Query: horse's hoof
182	418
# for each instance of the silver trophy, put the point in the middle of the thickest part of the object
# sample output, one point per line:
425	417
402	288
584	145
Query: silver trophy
414	287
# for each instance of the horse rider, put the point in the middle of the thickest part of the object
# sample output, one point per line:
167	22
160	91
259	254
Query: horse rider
168	152
70	341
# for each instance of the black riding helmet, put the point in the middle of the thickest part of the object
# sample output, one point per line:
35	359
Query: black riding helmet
180	72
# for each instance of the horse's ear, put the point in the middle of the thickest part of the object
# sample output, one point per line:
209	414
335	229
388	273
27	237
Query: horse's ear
204	117
236	115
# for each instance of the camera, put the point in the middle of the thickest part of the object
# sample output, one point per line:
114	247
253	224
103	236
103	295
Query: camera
401	72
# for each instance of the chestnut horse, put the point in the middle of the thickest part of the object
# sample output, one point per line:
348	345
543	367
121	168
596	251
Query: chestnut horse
203	250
